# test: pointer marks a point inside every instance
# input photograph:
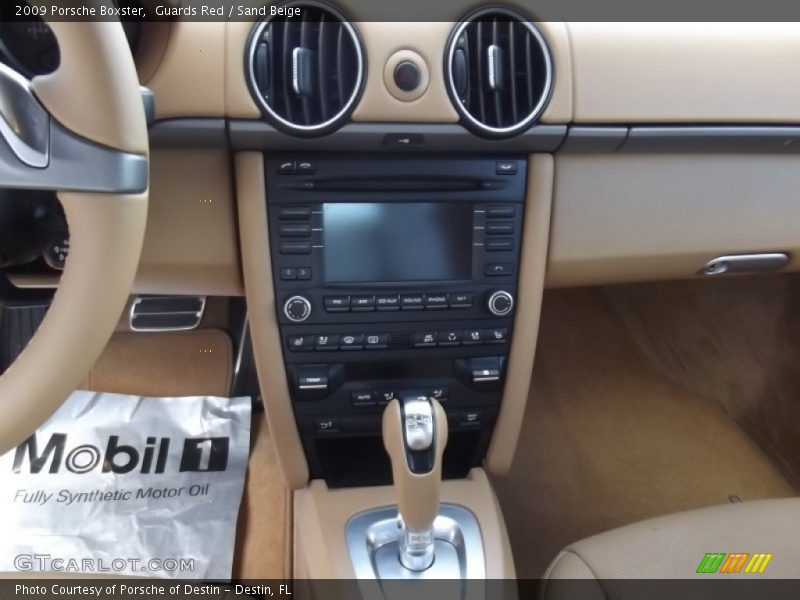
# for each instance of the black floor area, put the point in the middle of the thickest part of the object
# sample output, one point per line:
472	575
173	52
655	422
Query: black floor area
17	326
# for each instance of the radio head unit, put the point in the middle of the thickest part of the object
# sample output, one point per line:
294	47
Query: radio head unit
402	278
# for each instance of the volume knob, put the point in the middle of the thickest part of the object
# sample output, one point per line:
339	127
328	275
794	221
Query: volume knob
297	309
501	303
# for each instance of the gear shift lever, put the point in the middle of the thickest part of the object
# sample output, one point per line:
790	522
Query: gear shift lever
415	435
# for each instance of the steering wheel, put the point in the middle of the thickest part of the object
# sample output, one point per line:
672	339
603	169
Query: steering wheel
80	131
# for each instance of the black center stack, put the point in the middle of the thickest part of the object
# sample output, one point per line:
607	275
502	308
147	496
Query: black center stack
393	274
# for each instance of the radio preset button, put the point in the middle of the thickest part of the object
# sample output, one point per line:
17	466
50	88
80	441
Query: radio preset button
295	230
337	303
498	245
362	303
412	301
351	341
294	213
499	229
326	341
295	247
449	338
462	300
376	341
500	212
387	302
436	301
424	339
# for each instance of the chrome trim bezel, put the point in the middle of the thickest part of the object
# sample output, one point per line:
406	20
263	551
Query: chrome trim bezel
302	299
198	314
348	106
501	294
24	123
366	533
538	109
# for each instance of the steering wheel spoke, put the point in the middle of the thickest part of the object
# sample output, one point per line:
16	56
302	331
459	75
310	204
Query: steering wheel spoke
37	152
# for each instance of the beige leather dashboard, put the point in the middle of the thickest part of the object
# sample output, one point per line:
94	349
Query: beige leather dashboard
685	72
616	217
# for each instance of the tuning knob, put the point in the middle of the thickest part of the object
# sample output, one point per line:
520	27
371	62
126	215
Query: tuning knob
297	309
501	303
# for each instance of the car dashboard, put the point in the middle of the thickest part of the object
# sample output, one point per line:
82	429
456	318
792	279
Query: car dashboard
392	198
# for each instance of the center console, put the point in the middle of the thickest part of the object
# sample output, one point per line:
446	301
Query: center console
396	278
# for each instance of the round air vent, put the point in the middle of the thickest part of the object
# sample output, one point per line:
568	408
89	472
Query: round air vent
499	72
305	66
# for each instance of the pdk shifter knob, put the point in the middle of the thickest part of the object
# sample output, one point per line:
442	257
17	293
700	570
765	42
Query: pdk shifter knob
415	435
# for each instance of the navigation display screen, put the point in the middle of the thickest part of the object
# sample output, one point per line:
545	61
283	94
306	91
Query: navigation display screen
397	242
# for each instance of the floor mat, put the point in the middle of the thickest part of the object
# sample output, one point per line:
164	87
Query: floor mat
606	441
17	326
165	364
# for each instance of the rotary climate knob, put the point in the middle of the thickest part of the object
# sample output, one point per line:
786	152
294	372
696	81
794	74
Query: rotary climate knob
501	303
297	309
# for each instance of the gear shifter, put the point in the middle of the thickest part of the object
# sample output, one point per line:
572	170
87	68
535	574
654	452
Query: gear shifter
415	435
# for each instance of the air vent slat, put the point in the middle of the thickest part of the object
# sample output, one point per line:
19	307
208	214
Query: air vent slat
269	92
496	66
340	42
314	69
285	69
323	69
479	67
304	45
467	62
512	67
529	67
508	71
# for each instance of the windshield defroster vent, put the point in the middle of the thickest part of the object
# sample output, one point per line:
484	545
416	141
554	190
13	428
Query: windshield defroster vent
305	71
499	72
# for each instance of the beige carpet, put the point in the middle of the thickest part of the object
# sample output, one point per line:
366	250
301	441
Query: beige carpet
606	441
200	363
734	341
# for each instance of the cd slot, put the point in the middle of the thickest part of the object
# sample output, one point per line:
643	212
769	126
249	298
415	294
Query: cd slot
395	185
